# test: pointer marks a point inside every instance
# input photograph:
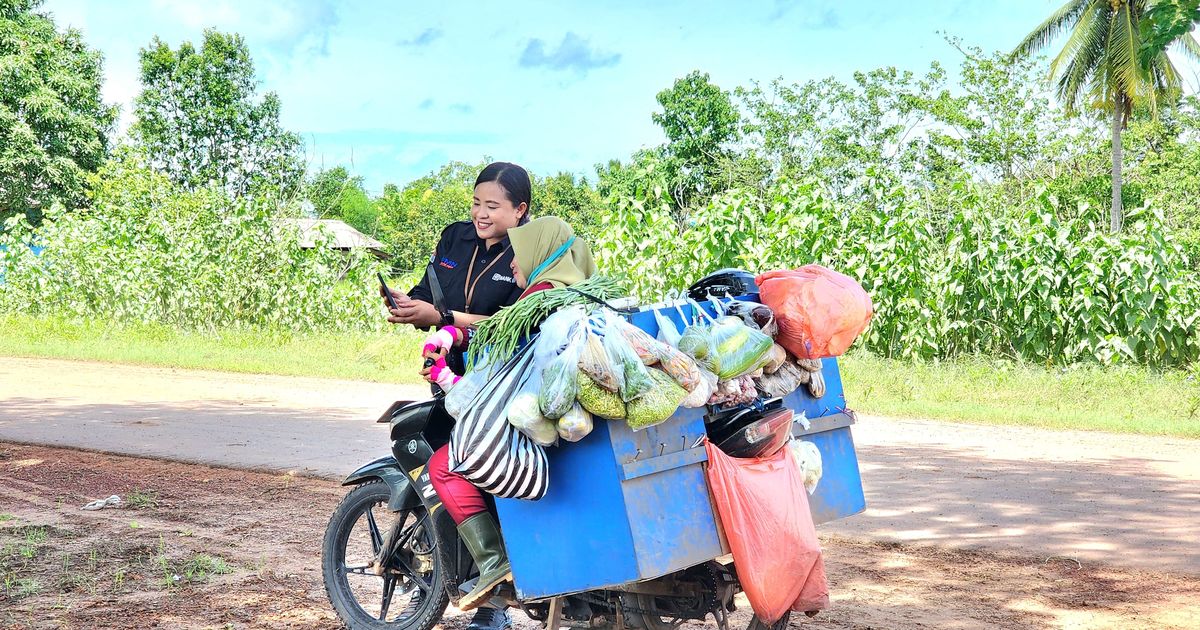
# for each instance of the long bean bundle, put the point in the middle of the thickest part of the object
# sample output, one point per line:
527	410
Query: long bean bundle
500	333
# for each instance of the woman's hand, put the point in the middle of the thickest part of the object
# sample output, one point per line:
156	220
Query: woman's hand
441	341
416	312
439	372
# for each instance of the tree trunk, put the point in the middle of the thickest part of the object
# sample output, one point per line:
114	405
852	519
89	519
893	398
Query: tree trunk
1117	214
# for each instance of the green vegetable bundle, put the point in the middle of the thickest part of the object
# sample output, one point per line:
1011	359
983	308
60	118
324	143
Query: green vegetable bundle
499	334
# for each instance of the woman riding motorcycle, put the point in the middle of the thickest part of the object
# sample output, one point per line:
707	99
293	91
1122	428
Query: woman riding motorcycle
546	254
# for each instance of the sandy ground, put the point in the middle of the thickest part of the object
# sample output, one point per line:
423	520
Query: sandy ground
152	566
1128	501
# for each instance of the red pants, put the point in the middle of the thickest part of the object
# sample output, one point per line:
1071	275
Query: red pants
461	498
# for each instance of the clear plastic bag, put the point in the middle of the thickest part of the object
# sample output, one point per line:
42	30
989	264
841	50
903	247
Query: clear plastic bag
576	424
599	401
668	333
657	404
680	367
635	379
560	379
704	390
775	359
594	361
737	349
523	413
647	348
808	457
787	379
734	391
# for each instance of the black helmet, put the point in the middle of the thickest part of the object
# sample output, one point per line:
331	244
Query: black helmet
723	283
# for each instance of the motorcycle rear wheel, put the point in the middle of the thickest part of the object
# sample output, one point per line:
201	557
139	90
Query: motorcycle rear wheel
410	594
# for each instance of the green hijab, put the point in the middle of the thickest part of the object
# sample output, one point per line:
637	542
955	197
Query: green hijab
541	250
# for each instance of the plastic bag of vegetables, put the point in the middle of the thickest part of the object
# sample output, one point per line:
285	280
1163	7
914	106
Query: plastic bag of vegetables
635	380
726	346
576	424
647	348
594	361
668	333
656	405
734	391
787	379
704	390
808	457
598	400
523	413
775	359
560	379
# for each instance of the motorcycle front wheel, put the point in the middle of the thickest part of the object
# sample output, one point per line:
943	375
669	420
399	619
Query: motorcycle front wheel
406	593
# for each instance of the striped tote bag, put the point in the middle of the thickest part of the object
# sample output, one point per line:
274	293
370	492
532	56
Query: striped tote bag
488	451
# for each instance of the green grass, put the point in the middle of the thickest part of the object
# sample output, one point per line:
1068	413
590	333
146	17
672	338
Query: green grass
1121	400
142	499
1116	399
390	356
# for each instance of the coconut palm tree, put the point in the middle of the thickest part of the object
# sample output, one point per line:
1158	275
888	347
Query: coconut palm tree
1104	64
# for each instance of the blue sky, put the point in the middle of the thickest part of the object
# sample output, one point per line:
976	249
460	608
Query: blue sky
394	89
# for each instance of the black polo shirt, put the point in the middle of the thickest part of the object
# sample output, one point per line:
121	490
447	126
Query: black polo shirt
475	278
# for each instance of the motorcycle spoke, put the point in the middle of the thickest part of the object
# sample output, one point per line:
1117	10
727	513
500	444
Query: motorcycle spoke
412	575
376	537
389	587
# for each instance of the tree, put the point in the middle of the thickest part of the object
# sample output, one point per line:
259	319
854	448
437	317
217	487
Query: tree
1105	63
200	121
336	194
700	122
53	124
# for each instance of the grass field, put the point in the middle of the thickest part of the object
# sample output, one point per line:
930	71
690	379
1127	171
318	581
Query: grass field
1121	400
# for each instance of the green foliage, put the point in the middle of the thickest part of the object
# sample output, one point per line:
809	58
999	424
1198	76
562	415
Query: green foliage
153	252
1033	286
335	194
700	122
200	123
53	125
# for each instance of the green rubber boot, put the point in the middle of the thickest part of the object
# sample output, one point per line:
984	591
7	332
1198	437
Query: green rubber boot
482	536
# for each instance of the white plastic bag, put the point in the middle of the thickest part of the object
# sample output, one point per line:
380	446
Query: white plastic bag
808	457
576	424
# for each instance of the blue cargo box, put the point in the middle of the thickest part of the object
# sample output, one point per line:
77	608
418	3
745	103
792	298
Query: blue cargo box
627	505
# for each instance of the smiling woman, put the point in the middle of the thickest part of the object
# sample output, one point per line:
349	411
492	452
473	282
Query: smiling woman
472	261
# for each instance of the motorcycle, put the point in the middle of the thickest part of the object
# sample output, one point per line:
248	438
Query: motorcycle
392	557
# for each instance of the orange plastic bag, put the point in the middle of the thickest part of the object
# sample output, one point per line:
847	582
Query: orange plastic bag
820	312
763	509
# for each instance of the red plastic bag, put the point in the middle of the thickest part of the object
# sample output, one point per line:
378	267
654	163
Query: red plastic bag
820	312
763	509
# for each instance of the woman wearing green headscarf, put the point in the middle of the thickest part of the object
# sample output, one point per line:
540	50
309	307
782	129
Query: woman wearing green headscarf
546	254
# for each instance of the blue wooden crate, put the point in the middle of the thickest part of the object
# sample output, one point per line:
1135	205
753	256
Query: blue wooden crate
627	505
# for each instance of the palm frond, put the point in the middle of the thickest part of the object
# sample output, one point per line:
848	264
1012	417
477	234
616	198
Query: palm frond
1189	47
1125	74
1059	21
1077	64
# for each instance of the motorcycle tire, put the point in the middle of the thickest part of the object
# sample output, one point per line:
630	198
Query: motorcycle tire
428	612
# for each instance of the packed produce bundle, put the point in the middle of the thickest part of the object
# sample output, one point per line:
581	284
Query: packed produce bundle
658	404
523	413
726	346
576	424
787	379
820	312
598	400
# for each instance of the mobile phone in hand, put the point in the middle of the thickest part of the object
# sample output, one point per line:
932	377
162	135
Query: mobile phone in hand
387	293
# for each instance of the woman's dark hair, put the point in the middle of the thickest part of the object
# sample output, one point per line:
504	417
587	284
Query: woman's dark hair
513	179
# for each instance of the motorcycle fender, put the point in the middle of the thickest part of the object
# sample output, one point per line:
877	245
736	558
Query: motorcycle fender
404	497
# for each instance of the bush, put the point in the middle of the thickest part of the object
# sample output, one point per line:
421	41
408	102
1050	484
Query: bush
1023	284
152	252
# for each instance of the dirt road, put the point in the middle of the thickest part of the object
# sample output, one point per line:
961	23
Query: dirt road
1128	501
202	547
